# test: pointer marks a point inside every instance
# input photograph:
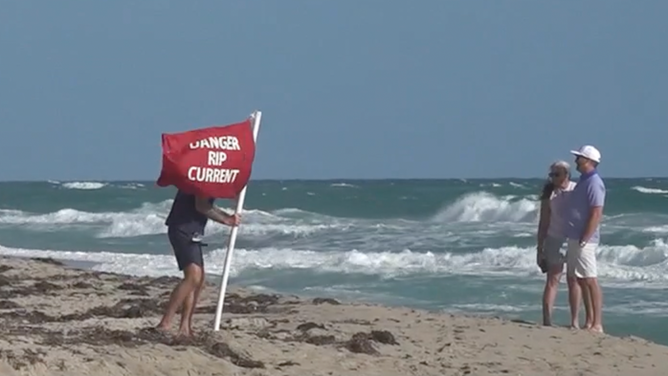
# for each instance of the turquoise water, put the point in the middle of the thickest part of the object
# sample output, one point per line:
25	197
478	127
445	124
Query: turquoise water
455	245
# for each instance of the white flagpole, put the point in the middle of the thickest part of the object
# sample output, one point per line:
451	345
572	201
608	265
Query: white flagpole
257	117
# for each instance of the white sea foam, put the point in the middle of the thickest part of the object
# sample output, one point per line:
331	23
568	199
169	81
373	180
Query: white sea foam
83	185
510	215
486	207
149	219
657	229
620	264
649	190
345	185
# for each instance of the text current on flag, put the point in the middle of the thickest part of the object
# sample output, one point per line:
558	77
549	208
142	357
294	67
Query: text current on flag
209	162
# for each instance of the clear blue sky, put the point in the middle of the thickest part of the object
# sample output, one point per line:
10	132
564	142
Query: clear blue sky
357	89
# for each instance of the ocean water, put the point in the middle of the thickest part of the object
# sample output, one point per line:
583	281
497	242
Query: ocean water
453	245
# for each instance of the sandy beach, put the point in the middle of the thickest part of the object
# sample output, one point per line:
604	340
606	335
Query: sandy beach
57	320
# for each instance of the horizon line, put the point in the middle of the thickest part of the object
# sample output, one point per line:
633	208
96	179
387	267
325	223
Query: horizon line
317	179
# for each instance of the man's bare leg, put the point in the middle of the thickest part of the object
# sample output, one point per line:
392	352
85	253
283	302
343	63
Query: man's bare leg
196	295
587	300
189	302
574	299
192	276
550	294
596	297
184	328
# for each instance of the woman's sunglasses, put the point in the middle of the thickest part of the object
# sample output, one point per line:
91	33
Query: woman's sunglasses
554	174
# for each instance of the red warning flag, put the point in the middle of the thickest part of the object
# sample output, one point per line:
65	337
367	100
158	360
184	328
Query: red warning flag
213	162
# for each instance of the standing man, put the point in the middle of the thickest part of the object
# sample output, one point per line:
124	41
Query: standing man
185	227
583	233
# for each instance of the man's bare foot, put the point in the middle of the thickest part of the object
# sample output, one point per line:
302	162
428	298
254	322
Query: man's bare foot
162	328
184	333
156	331
182	339
587	326
164	325
596	329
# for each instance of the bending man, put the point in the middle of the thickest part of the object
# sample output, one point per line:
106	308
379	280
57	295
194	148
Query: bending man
185	227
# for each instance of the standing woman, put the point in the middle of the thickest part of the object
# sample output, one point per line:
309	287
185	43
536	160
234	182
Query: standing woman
551	237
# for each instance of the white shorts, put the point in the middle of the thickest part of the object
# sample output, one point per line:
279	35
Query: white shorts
553	254
581	261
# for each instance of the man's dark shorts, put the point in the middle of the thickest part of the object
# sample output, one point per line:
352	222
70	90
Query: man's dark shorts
185	249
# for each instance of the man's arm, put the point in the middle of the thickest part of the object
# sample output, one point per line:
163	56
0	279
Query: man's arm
596	199
203	206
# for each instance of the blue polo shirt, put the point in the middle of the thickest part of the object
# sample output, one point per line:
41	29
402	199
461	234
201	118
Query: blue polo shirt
588	193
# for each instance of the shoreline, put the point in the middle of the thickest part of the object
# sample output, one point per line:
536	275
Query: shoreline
62	320
561	312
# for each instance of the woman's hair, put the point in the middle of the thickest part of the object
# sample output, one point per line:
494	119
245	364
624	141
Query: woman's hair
562	164
548	188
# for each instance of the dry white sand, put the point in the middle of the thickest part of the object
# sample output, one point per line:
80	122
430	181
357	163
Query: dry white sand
62	321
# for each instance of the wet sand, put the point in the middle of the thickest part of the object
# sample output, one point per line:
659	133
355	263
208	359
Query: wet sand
57	320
